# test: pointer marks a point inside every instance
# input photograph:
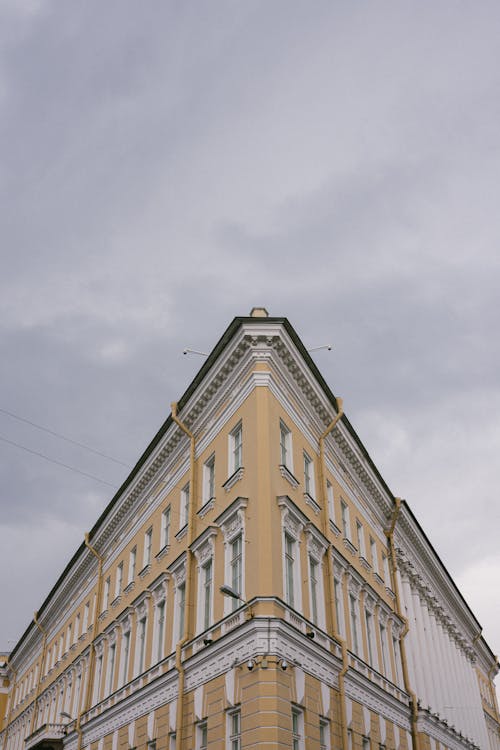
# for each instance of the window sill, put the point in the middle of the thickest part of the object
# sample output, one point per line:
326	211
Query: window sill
182	532
130	587
334	528
164	551
364	562
103	614
349	546
378	578
206	507
235	477
146	569
312	502
116	601
287	474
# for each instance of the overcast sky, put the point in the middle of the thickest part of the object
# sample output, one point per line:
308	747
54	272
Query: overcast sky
165	166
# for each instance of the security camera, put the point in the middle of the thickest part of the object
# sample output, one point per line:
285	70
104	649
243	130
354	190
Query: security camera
250	664
284	665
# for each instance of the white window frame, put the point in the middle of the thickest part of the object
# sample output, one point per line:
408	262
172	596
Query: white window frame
184	505
297	728
119	580
384	649
159	634
330	500
76	631
202	735
233	732
97	680
324	734
360	540
236	448
232	524
204	549
371	642
286	451
178	574
345	519
385	567
374	555
236	566
309	484
140	644
166	518
293	522
132	563
314	573
105	596
110	668
148	547
356	641
209	479
124	657
338	590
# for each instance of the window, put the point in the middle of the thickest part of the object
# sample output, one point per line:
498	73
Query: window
131	564
111	668
369	638
119	580
159	629
165	528
360	539
141	645
329	495
354	623
148	537
85	618
181	593
313	583
289	566
97	684
297	729
324	734
201	736
76	631
151	745
209	479
125	657
308	475
345	519
234	730
68	638
365	743
235	449
383	644
172	744
373	553
184	506
285	446
339	605
207	594
236	568
105	598
387	575
397	659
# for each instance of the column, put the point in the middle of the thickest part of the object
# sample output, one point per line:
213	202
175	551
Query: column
412	640
426	694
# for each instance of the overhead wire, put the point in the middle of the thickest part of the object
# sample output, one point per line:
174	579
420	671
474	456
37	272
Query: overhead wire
63	437
58	463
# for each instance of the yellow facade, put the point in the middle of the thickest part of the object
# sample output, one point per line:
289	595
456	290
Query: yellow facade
347	633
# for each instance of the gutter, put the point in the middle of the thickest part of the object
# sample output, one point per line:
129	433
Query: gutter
187	594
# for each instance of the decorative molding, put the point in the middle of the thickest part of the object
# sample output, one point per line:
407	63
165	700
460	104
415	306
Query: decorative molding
309	500
235	477
349	546
182	532
287	474
206	508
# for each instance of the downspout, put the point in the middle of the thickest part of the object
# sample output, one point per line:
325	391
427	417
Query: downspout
40	670
187	594
330	582
88	691
395	587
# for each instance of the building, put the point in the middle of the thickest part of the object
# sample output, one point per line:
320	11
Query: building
337	626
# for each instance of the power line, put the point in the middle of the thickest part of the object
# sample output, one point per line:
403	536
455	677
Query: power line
63	437
58	463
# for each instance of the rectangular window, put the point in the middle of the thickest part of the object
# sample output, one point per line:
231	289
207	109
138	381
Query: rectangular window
105	597
119	580
236	449
141	645
360	539
387	575
76	631
285	446
172	744
383	644
125	657
354	623
369	638
234	730
308	475
313	582
345	519
181	592
339	605
98	674
209	479
297	729
329	495
324	734
236	569
111	668
131	564
148	538
207	594
289	565
397	659
85	618
160	629
373	554
201	736
165	528
68	638
184	506
365	743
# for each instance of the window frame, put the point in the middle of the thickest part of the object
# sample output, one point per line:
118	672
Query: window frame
166	520
286	450
233	741
209	479
309	484
236	448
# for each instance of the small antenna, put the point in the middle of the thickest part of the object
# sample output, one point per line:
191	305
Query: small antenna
195	351
323	346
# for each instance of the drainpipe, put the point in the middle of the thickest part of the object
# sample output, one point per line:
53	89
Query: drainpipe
88	691
187	594
330	582
395	587
40	670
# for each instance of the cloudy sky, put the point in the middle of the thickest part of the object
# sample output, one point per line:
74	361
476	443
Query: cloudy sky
165	166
